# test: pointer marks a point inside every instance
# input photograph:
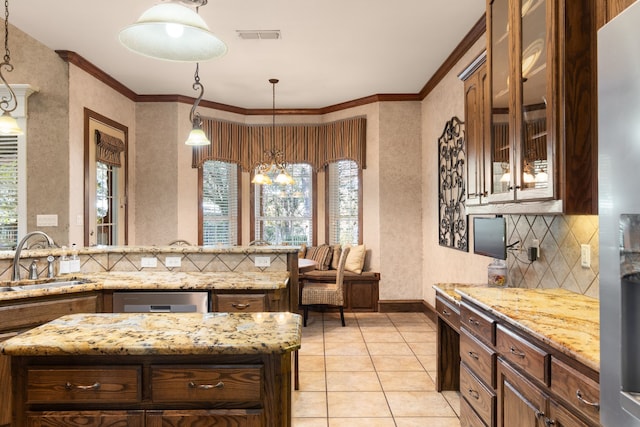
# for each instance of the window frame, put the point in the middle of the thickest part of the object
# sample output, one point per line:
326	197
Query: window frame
327	210
19	175
201	197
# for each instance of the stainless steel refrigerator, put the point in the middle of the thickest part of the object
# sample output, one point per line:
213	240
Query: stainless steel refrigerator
619	216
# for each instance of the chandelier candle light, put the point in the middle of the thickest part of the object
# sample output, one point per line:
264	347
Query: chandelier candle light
8	124
173	31
275	163
197	135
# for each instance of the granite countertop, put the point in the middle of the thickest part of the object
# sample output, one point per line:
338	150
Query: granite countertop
448	290
120	280
160	334
566	321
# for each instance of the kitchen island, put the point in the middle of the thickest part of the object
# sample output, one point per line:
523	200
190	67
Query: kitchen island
152	369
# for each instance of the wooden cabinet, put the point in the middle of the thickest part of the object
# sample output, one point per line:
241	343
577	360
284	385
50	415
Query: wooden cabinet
86	418
241	302
448	343
17	316
222	418
540	148
609	9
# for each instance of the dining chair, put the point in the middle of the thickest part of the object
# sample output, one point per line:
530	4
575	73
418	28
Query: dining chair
326	294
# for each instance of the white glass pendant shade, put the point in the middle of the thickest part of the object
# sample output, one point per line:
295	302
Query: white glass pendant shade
284	178
197	137
9	125
261	179
172	32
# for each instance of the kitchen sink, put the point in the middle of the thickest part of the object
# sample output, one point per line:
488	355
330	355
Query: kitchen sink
55	283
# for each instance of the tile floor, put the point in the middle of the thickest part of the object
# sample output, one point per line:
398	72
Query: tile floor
378	371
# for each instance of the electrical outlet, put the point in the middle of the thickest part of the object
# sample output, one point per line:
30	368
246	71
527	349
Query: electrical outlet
148	262
262	261
173	261
535	243
585	256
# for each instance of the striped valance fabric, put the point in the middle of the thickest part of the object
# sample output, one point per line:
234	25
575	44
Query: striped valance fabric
315	144
108	149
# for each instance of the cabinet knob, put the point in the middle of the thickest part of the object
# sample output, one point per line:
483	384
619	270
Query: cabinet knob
473	355
94	386
191	384
587	402
473	393
516	352
445	312
473	321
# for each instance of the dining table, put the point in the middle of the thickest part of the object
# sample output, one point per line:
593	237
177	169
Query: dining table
305	265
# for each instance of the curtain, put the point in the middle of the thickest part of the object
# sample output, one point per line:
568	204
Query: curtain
108	149
316	144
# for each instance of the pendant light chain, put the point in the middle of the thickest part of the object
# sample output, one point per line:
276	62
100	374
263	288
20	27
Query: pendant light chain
7	54
5	102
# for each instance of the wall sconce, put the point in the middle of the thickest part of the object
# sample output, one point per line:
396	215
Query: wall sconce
8	124
173	31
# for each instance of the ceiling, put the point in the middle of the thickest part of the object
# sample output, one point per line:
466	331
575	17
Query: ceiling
330	51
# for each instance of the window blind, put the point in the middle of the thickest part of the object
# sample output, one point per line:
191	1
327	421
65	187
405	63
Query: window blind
219	203
8	191
343	199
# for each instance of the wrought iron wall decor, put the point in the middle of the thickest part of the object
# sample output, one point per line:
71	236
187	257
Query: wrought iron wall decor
453	220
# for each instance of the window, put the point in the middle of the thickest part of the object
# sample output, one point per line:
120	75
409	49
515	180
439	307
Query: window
8	192
284	213
343	202
106	204
219	203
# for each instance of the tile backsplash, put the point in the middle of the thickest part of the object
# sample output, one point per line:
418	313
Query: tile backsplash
559	265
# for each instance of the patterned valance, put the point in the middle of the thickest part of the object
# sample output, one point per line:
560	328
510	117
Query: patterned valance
315	144
108	149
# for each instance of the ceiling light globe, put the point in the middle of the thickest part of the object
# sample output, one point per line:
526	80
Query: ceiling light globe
261	179
197	137
9	125
150	35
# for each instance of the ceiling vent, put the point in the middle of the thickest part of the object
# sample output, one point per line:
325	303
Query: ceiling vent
259	34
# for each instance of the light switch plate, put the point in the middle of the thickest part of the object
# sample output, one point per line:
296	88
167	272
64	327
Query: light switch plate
585	256
173	261
262	261
148	262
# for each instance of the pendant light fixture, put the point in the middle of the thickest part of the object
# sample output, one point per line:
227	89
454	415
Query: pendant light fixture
173	31
8	124
197	135
275	164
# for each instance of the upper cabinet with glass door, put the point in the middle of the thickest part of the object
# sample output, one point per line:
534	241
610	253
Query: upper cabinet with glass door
540	156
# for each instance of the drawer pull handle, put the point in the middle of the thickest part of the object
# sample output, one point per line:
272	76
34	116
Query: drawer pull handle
474	321
94	386
240	306
205	386
474	355
473	393
445	312
586	402
515	352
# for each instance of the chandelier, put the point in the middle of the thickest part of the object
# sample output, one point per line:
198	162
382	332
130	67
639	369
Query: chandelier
8	124
173	31
275	164
197	135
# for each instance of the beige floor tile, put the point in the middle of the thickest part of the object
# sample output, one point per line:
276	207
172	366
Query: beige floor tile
353	381
391	336
312	335
313	348
406	381
427	422
361	422
418	404
348	404
312	381
414	327
309	422
396	363
343	336
372	317
309	404
311	363
408	317
389	349
428	362
453	397
415	336
358	348
423	348
348	363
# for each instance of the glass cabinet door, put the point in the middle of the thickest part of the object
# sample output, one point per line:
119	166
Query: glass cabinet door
534	145
499	151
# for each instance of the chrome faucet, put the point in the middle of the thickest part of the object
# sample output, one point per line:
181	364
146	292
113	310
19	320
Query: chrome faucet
16	257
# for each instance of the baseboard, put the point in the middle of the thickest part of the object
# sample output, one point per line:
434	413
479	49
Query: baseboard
407	306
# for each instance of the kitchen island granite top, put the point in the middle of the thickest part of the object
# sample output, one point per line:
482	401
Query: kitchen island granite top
138	334
566	321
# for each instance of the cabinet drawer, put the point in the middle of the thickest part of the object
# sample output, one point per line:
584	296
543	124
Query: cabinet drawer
195	418
523	354
580	391
206	383
240	302
478	323
21	316
448	312
468	417
85	418
96	384
480	358
482	399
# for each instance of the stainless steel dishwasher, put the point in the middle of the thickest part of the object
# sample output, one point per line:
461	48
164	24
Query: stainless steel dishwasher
161	302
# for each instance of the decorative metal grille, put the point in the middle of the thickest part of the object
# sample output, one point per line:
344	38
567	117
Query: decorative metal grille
453	231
